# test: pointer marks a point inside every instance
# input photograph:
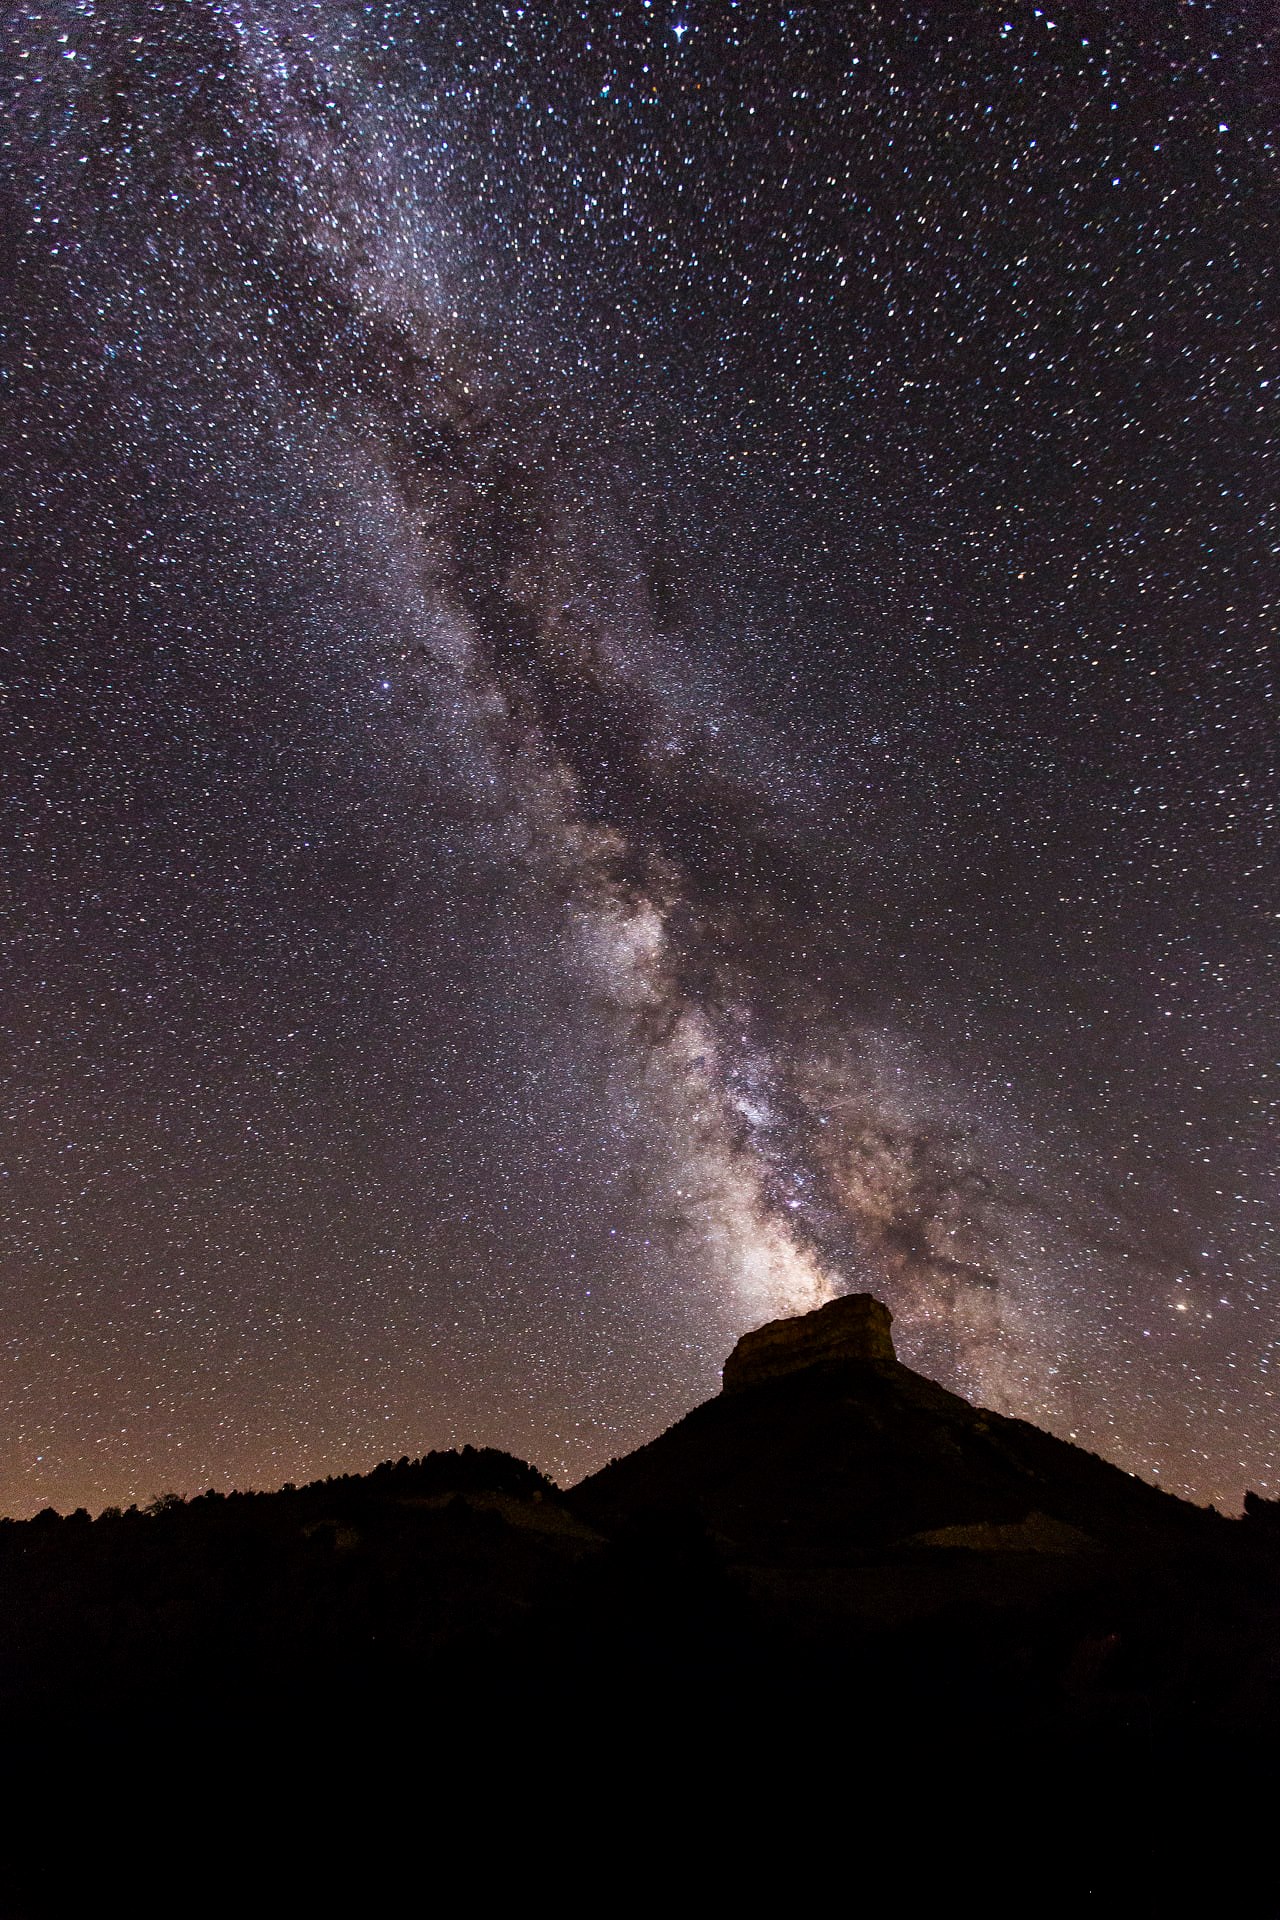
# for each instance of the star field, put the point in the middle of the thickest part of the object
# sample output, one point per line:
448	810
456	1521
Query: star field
638	687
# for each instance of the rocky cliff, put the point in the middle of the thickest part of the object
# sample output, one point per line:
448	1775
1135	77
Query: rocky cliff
855	1327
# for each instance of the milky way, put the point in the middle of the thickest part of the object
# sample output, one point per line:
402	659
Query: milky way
637	693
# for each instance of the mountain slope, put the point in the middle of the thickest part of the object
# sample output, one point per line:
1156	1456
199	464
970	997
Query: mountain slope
822	1448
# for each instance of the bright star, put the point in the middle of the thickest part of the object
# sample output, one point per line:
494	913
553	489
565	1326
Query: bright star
680	30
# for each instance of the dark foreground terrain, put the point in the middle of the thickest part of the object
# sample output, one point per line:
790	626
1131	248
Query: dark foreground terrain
835	1591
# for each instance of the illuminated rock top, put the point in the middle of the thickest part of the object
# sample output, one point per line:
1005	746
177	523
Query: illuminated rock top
855	1327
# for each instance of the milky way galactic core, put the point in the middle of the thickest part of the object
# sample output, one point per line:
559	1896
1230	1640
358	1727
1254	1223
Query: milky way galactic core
637	690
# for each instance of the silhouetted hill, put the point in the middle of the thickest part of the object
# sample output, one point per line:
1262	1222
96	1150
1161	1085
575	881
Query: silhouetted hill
820	1457
205	1605
833	1541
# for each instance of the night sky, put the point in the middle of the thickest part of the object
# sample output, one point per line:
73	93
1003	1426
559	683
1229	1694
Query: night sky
637	658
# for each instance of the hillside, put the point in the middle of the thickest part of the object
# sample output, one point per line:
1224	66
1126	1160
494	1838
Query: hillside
833	1540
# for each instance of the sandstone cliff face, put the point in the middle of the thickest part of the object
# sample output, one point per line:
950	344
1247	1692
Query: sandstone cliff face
855	1327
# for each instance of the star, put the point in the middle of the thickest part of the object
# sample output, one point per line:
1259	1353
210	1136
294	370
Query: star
811	539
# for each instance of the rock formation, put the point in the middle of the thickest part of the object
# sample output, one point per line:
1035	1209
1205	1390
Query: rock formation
823	1448
855	1327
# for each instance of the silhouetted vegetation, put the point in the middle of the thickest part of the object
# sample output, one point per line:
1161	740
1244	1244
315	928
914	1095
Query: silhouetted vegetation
848	1546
